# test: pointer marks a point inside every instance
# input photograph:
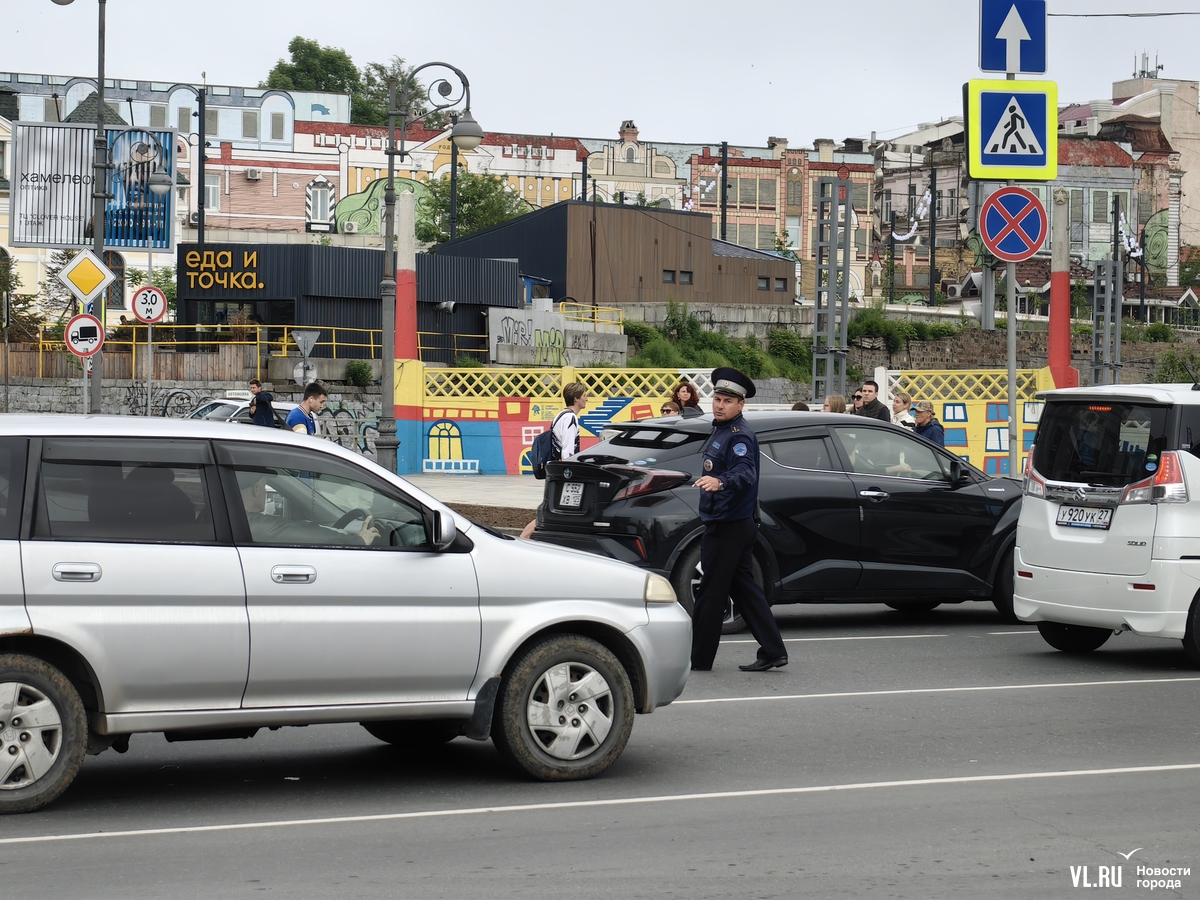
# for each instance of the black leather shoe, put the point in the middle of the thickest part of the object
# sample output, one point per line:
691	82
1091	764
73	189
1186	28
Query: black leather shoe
761	665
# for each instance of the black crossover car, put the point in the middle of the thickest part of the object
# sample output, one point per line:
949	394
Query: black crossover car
852	510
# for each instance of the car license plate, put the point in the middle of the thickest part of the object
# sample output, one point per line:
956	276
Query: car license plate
1084	517
572	494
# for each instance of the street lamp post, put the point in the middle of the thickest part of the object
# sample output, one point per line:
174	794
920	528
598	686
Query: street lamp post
99	195
466	135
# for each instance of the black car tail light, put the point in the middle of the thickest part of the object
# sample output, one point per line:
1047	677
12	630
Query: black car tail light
648	481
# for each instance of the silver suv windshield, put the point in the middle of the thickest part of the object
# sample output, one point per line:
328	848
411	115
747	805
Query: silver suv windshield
1109	443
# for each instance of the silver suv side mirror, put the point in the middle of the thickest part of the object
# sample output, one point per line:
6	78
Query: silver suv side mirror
444	530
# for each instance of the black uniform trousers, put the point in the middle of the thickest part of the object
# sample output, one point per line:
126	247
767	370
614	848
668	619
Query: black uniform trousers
725	555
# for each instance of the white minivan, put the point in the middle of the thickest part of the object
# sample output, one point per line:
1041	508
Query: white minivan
1109	534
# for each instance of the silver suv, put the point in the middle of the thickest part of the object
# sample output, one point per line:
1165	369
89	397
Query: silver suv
188	578
1109	534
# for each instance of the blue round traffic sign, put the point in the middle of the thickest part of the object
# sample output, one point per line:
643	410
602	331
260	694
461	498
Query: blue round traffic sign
1013	224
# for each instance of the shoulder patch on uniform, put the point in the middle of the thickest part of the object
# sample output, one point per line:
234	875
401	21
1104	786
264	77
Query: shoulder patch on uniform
740	449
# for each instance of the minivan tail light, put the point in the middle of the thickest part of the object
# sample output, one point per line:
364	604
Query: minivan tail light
1035	484
1166	485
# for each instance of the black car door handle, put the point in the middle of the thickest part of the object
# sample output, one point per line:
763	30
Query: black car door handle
874	495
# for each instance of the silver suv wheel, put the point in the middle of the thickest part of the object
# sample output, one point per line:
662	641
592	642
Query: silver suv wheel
565	709
43	733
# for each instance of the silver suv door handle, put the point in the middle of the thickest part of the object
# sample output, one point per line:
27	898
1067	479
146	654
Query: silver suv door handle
874	495
293	574
76	572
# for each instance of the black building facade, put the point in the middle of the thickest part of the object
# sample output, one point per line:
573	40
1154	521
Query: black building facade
312	286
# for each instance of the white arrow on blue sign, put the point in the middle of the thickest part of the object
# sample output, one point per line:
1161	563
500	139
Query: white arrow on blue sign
1012	36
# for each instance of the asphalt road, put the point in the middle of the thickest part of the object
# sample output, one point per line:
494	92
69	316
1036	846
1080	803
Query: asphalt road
945	756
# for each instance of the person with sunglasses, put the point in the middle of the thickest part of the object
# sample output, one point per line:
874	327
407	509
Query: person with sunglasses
870	405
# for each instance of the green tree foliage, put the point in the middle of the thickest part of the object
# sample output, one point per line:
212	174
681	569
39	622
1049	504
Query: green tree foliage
483	201
896	333
1189	266
24	316
314	68
55	296
1177	366
682	342
311	67
164	280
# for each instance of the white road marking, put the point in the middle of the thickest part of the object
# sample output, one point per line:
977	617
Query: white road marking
941	690
596	804
864	637
1035	631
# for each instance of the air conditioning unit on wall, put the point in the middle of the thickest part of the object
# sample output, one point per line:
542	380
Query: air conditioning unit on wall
349	228
953	291
254	174
194	218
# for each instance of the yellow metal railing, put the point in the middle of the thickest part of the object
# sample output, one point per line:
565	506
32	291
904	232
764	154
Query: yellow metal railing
268	339
439	342
594	315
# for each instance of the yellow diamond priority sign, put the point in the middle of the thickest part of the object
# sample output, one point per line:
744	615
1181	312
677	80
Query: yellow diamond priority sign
86	276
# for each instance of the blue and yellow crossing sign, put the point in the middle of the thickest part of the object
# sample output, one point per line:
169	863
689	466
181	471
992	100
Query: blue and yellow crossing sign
1012	130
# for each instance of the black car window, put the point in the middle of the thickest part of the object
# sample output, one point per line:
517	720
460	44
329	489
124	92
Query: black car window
654	437
1099	442
12	480
801	453
1189	429
292	497
645	446
887	451
123	490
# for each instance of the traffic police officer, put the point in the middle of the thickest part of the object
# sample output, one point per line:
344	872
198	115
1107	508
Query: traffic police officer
729	496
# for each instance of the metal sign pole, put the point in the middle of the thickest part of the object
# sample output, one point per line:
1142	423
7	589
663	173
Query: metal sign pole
149	336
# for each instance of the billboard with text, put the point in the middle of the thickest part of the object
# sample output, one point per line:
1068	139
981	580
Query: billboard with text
52	187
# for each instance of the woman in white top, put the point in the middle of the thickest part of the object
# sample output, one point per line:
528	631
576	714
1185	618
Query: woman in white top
901	409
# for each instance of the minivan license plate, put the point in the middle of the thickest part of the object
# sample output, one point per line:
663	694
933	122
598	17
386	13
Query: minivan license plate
1084	516
572	494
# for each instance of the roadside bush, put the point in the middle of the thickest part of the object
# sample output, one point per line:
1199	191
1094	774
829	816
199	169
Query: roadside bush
1160	333
942	330
640	334
358	373
469	361
1177	367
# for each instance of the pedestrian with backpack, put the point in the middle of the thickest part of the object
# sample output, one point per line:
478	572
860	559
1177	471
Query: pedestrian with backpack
563	437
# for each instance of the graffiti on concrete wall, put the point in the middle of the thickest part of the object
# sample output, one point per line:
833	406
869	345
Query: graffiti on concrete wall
511	330
353	426
534	337
549	348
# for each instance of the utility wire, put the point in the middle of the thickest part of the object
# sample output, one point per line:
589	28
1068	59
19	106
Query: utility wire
1121	15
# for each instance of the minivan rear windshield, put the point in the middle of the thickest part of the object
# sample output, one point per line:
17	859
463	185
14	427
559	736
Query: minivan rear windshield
1110	442
644	445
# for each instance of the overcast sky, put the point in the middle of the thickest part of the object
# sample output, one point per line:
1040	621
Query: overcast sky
689	72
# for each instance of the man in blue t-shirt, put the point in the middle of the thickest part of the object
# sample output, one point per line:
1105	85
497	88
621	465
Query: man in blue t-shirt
301	418
261	410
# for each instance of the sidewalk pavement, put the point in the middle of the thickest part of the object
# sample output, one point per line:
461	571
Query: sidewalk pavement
517	491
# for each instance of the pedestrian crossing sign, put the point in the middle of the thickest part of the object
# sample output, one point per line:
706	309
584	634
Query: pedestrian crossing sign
1012	130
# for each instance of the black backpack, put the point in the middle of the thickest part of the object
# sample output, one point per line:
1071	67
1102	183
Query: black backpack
545	448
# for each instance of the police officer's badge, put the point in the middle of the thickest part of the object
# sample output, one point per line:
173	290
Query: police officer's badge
708	465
